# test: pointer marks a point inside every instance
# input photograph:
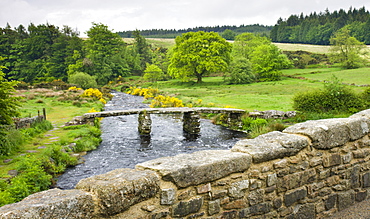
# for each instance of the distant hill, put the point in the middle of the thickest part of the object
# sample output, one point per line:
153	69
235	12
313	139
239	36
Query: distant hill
173	33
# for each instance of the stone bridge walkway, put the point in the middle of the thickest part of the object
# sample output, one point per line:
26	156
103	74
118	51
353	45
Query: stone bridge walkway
191	116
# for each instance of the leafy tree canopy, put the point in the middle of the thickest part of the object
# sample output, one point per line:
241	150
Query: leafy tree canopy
267	61
246	43
197	54
143	49
240	72
107	55
266	58
153	73
83	80
347	50
228	34
102	40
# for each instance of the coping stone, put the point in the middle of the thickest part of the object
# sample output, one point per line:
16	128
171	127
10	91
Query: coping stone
117	190
53	203
330	133
199	167
271	146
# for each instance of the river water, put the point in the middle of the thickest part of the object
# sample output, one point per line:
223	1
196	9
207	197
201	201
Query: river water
123	147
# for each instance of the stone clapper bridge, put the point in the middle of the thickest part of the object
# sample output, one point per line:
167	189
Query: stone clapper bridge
191	117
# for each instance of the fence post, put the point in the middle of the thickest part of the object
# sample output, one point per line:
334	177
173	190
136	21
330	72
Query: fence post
44	113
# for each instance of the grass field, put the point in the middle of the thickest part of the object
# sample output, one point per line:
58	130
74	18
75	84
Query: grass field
304	47
265	95
359	76
167	43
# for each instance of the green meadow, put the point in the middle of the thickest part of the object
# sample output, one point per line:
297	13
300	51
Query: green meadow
264	95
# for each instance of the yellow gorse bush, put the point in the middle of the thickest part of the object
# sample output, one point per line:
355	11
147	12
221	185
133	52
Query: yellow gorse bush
147	93
158	100
93	110
166	101
102	100
93	92
74	88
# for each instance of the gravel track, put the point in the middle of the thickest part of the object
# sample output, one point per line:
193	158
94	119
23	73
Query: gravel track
361	210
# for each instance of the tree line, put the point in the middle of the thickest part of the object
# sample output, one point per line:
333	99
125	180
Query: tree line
45	52
317	28
173	33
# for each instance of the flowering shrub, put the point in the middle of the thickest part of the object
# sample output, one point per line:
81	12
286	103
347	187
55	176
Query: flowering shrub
166	101
93	92
93	110
147	93
74	89
158	100
103	100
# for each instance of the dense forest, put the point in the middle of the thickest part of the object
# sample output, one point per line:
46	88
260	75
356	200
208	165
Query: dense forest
317	28
45	52
172	33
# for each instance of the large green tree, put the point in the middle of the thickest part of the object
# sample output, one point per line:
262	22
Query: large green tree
197	54
347	50
240	72
228	34
105	55
143	49
246	43
153	73
267	60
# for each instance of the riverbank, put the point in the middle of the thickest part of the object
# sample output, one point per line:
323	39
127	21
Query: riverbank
39	158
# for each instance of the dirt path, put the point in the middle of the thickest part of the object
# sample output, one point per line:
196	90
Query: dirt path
361	210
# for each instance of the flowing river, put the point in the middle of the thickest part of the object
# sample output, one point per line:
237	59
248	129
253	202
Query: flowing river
123	147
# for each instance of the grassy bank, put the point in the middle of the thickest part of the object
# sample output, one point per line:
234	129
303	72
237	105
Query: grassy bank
40	157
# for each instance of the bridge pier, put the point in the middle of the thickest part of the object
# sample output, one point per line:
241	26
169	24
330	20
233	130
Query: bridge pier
145	123
191	122
235	120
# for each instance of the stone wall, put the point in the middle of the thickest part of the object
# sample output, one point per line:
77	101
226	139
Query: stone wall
27	122
310	170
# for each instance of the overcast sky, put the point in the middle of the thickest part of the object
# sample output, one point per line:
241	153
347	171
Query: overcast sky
120	15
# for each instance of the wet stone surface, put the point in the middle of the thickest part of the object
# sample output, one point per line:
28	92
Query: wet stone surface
123	147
